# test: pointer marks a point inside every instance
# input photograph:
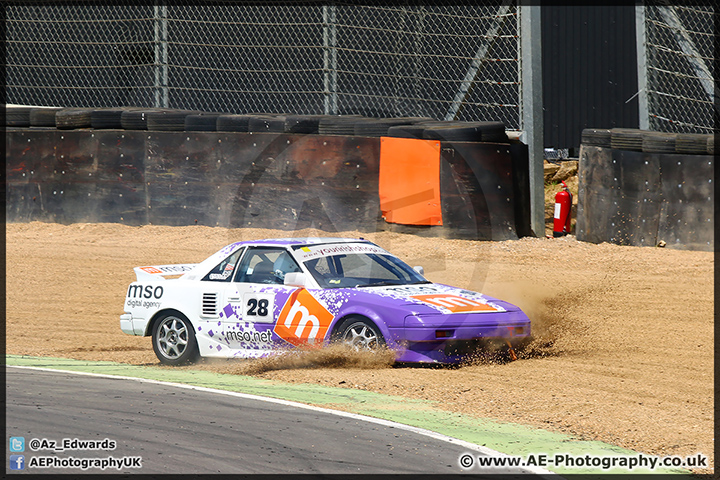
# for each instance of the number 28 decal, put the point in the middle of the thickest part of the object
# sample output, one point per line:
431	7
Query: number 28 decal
258	307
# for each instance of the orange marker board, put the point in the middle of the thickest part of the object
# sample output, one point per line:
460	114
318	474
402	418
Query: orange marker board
409	183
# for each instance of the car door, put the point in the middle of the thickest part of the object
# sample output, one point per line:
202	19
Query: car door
254	298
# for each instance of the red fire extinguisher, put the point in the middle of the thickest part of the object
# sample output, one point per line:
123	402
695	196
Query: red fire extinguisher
563	203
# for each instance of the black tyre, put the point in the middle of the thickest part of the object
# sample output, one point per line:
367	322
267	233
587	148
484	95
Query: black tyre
201	122
135	118
360	333
339	124
378	127
106	118
406	131
173	339
43	116
169	120
233	123
17	115
467	132
266	124
68	118
658	142
689	143
303	123
626	139
596	137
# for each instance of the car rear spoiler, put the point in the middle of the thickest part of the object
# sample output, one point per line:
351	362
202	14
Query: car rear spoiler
159	272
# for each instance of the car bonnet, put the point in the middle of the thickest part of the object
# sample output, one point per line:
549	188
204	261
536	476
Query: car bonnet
433	298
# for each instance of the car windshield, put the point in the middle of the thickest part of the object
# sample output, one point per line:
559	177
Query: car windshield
362	270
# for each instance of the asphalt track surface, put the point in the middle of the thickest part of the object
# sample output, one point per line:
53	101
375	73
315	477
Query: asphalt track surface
177	430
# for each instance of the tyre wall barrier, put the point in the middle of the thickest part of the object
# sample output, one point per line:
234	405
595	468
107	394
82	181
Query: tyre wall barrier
246	179
639	198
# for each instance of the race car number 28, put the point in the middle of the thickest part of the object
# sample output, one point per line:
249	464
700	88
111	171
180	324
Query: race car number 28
258	307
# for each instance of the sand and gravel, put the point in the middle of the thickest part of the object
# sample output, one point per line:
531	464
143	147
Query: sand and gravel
623	349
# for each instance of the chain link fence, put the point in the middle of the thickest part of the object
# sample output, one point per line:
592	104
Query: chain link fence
457	61
680	58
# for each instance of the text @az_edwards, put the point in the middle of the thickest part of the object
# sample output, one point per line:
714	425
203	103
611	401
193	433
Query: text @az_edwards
69	444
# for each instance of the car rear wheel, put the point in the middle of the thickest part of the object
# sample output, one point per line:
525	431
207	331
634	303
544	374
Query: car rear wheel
174	341
359	333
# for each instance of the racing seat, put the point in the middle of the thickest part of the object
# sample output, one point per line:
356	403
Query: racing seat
263	273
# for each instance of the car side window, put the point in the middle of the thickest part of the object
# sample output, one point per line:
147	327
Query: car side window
266	265
224	270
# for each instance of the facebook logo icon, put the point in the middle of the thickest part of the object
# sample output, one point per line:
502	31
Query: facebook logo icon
17	462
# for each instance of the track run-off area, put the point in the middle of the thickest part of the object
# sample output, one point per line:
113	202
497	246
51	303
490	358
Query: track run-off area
459	434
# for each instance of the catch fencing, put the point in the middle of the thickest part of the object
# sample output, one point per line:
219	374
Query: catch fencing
449	62
457	61
677	67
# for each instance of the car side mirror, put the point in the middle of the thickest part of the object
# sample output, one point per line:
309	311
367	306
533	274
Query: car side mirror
295	279
419	270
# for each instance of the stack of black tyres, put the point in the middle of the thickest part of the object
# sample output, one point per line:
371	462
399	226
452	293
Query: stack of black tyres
406	131
233	123
626	139
135	118
307	124
658	142
691	143
43	116
17	116
68	118
106	118
202	122
649	141
378	127
266	124
596	137
466	132
339	124
168	120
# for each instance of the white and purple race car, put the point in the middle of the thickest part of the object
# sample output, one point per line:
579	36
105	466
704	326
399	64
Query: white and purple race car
254	298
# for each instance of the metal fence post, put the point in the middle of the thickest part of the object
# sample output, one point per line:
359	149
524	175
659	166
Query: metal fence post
641	44
418	48
330	59
532	110
161	57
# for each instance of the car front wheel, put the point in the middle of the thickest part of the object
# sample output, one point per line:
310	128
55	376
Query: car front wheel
359	333
174	341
